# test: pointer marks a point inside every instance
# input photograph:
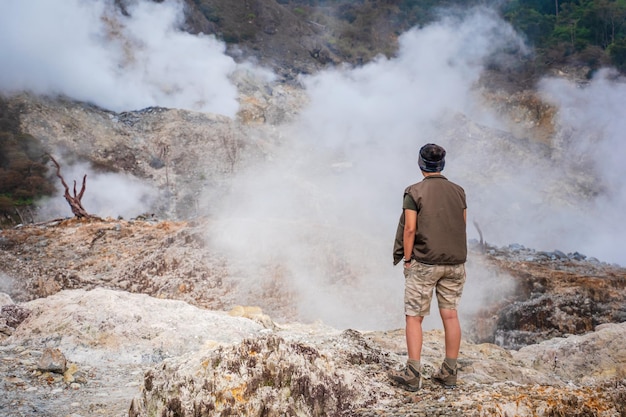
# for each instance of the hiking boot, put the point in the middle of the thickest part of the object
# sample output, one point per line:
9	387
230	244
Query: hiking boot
408	378
445	376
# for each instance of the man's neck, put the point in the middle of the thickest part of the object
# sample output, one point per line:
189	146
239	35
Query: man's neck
431	174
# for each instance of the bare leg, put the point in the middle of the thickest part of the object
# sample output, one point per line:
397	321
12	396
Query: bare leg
452	329
414	336
410	377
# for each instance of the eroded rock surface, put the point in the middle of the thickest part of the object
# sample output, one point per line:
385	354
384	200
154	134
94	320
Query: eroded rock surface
165	357
333	374
555	295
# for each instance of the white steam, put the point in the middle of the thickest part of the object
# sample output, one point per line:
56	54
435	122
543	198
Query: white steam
592	143
89	51
326	207
6	287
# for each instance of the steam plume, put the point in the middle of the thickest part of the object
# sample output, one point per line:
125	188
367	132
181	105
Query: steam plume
327	206
89	51
591	143
319	220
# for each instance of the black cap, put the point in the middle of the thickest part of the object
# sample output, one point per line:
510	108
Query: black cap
432	158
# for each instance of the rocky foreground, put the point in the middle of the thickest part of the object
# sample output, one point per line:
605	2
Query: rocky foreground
131	354
148	328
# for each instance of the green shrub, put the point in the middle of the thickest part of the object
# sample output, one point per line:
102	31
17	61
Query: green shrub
23	169
617	52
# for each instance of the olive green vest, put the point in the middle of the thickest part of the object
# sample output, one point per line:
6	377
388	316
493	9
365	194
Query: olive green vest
440	238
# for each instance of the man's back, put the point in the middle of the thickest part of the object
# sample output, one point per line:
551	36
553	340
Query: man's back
440	238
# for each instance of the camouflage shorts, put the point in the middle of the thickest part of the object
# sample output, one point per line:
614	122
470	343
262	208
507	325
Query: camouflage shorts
420	279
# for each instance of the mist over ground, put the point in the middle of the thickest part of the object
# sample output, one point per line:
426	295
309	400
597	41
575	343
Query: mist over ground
327	206
318	220
89	51
591	142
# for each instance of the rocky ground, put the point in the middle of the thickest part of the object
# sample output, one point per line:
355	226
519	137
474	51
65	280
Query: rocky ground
553	294
142	327
179	153
556	294
152	355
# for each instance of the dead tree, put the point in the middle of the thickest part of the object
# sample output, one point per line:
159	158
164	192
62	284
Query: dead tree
480	233
73	201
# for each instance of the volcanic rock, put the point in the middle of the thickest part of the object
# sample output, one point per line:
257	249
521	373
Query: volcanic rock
52	360
166	357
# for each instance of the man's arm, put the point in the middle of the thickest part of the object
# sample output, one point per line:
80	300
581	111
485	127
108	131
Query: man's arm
410	226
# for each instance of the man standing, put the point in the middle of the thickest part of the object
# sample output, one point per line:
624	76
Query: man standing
431	241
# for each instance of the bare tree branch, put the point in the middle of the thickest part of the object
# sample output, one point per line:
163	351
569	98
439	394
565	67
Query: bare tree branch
74	201
480	233
82	190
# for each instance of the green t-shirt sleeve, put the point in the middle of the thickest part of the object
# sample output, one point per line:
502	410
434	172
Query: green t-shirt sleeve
409	203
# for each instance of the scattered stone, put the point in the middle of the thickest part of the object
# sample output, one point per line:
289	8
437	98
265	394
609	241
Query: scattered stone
253	313
5	299
52	360
14	314
4	329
